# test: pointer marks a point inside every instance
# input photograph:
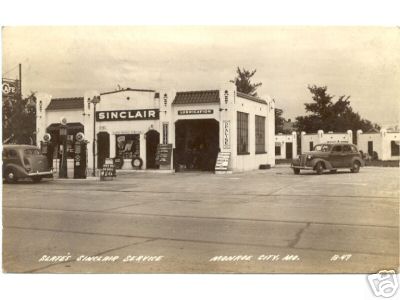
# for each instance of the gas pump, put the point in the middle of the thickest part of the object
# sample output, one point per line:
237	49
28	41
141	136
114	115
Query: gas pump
46	149
80	156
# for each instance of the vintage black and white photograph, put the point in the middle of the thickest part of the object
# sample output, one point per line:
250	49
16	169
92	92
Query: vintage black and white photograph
200	149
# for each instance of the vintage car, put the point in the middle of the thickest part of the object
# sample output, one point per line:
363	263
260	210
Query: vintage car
24	161
329	157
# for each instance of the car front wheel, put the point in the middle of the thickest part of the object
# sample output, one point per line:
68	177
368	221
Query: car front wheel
10	176
296	171
356	167
319	168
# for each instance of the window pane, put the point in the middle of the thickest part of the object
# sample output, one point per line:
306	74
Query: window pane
260	134
346	148
337	149
242	132
395	148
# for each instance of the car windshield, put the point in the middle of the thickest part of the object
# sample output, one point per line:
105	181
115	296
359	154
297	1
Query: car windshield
31	152
323	148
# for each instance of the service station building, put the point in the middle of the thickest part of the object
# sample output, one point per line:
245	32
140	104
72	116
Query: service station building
133	124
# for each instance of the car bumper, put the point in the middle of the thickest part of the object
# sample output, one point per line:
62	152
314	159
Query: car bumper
46	174
301	167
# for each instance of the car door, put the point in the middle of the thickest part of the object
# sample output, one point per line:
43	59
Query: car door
347	155
336	156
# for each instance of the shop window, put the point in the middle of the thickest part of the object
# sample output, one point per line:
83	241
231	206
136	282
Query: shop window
242	133
128	145
277	150
395	148
165	133
260	134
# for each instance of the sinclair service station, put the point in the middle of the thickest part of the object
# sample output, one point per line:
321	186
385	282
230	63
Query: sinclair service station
208	130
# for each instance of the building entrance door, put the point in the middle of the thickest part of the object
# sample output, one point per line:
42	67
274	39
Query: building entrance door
152	141
103	148
197	144
289	150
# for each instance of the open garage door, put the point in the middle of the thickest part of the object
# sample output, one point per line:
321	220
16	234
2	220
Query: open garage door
197	144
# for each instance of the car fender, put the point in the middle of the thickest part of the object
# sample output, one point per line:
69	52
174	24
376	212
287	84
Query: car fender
19	170
327	164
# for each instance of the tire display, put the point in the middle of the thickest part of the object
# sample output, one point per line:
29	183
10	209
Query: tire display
137	163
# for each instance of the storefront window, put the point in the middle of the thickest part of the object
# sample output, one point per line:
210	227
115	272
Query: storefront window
260	134
242	133
128	145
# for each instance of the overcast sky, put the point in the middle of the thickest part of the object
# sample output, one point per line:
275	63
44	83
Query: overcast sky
362	62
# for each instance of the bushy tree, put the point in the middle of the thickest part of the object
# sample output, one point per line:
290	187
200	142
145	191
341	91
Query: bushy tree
19	120
243	82
326	114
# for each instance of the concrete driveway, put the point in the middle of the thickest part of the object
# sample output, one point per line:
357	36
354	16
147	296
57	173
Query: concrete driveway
266	221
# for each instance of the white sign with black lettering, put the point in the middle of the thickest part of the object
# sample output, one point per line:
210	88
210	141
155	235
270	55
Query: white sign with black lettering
222	162
227	134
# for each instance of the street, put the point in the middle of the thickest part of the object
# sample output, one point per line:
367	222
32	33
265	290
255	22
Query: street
264	221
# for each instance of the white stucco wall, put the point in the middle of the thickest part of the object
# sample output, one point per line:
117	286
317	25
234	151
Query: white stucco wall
281	140
321	137
381	142
226	111
252	161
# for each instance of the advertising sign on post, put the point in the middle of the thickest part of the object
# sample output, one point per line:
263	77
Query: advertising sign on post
10	87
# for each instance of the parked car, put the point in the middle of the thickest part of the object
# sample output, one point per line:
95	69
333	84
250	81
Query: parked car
24	161
329	157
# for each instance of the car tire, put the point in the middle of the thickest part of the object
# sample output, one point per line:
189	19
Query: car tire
296	171
10	176
356	167
319	168
36	179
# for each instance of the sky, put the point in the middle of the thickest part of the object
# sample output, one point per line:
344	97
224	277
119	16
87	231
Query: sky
363	62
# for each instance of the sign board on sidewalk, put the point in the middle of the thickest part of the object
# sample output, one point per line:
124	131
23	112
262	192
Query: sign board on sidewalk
222	162
163	154
108	170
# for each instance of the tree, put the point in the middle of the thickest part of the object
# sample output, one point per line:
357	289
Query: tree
243	82
19	120
328	115
280	123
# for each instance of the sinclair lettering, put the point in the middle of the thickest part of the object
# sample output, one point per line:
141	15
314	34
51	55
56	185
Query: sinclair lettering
127	115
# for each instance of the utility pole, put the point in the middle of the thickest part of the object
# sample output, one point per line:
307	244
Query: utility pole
20	81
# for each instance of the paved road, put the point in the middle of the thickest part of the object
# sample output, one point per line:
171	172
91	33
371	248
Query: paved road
267	221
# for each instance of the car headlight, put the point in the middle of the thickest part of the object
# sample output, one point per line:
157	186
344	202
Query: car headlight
309	156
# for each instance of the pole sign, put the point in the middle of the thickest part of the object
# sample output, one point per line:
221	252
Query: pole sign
128	115
10	87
